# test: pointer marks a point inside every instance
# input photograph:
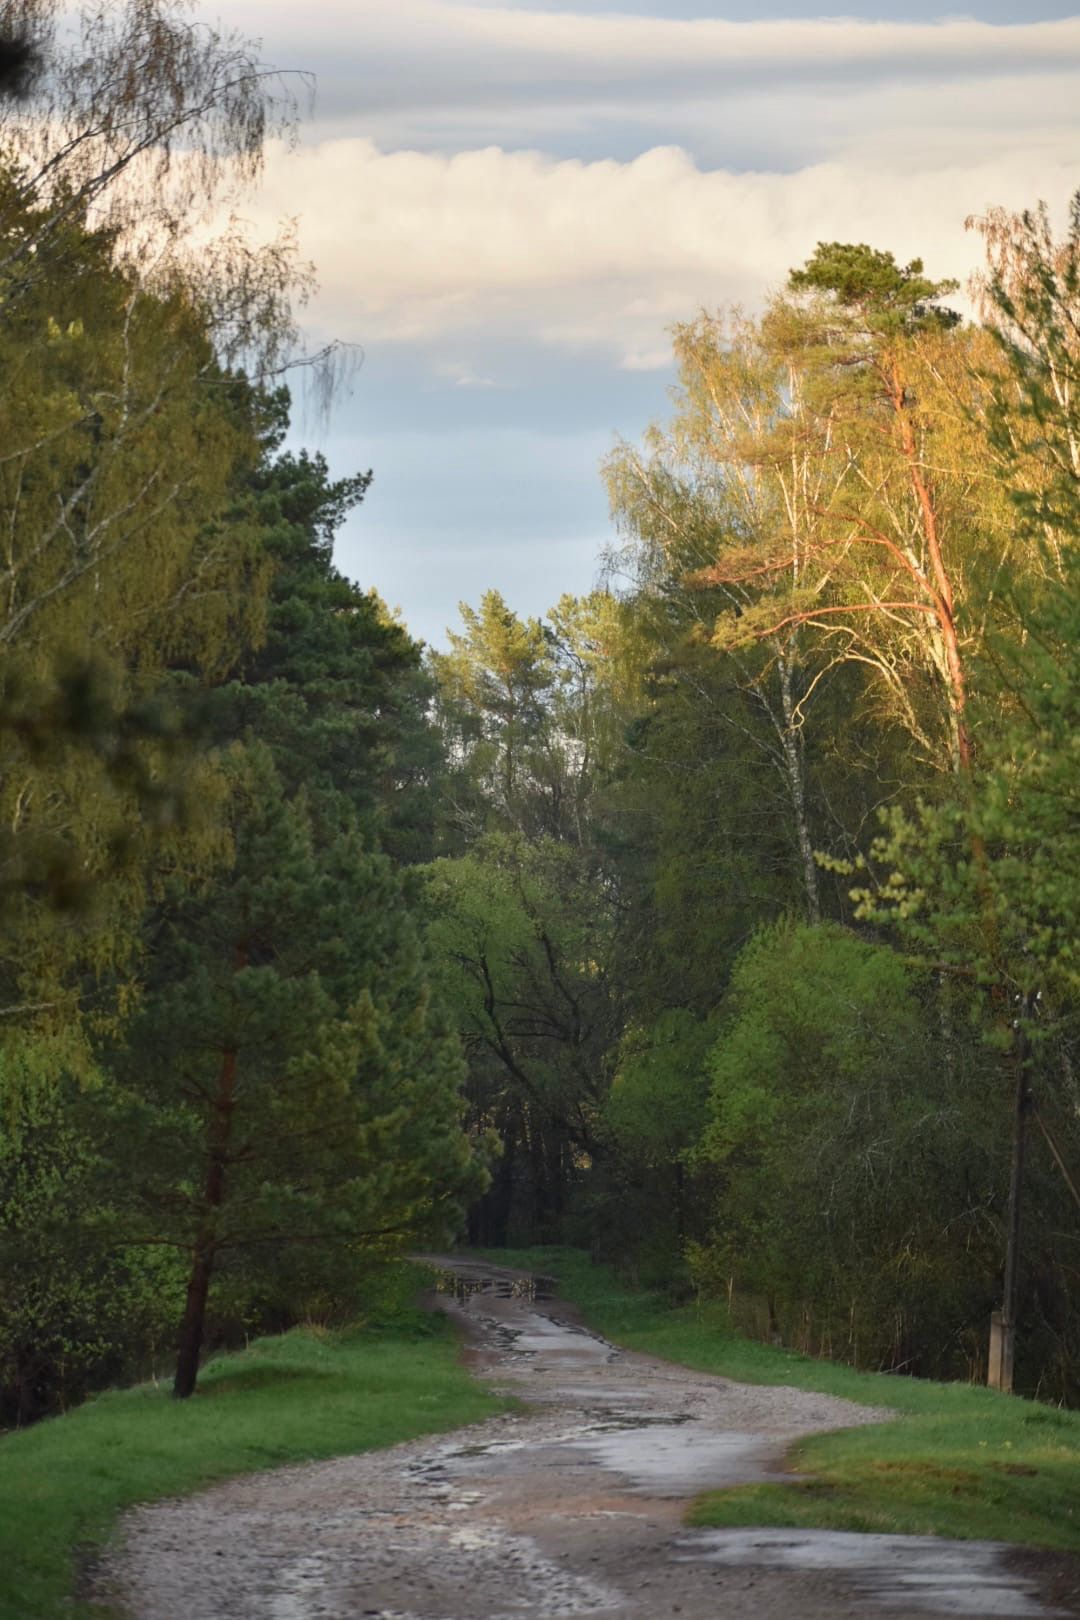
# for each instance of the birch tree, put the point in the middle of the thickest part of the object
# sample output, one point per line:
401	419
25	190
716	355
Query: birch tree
706	503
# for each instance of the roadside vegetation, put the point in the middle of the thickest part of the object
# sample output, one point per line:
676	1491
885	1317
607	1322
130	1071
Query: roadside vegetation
755	896
960	1460
227	1093
724	920
310	1393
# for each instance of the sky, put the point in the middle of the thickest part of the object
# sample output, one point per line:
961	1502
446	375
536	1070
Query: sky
508	203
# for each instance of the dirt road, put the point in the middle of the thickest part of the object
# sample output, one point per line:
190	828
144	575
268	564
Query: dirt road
570	1507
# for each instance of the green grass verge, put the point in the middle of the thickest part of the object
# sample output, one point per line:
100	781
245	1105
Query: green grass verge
295	1398
960	1461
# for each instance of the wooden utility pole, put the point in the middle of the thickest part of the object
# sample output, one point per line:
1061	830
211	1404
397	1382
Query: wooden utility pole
1003	1323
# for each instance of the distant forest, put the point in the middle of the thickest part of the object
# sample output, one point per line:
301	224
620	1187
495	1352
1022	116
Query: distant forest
724	922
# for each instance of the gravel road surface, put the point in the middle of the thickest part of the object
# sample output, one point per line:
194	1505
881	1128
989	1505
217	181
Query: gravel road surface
570	1507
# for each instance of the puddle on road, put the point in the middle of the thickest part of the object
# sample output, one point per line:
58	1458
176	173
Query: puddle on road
912	1572
465	1285
294	1598
660	1454
545	1336
670	1455
537	1335
666	1459
593	1395
489	1448
601	1423
604	1419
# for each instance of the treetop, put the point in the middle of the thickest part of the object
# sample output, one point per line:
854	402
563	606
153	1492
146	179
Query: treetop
869	282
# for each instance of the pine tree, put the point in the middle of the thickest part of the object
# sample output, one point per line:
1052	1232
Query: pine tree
286	1079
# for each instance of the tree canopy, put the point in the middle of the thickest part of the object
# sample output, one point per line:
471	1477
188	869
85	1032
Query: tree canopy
722	920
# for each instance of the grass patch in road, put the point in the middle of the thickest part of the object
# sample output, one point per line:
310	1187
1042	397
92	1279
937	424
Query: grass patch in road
289	1399
960	1461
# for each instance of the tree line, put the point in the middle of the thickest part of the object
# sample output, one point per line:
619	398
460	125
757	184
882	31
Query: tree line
758	902
227	1093
723	921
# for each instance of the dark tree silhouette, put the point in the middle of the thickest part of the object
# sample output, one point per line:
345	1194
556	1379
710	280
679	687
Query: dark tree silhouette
19	62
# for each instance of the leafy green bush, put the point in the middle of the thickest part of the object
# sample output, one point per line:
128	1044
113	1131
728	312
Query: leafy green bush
857	1170
76	1312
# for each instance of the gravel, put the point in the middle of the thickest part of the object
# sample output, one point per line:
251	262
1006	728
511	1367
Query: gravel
571	1506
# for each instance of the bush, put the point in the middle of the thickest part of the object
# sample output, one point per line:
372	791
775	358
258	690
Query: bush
77	1312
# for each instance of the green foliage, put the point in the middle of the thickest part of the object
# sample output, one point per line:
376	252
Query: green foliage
127	452
854	1191
75	1308
645	1194
492	686
148	517
276	931
521	906
1030	292
655	1110
218	1043
129	438
913	532
133	572
285	1076
697	822
335	687
982	880
852	585
889	297
805	1017
985	881
831	614
521	936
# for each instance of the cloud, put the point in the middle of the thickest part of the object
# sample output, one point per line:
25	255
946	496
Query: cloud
448	75
613	49
656	359
508	203
510	46
413	246
462	375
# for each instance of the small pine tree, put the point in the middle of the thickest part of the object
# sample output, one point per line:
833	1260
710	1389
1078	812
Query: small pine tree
285	1079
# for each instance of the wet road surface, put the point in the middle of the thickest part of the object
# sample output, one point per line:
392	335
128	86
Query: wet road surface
572	1506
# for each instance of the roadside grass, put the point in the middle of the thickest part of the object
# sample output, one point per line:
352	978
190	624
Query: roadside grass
304	1395
958	1461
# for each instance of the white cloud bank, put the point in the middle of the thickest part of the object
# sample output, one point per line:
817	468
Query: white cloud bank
439	73
427	220
505	204
414	246
512	46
